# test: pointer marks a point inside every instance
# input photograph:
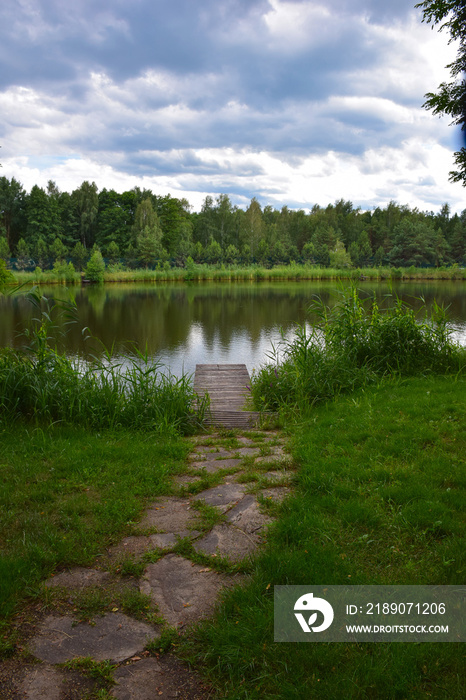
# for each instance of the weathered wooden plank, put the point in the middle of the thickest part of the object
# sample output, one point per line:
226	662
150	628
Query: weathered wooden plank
227	386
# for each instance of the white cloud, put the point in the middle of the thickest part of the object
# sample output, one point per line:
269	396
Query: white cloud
412	174
294	102
295	26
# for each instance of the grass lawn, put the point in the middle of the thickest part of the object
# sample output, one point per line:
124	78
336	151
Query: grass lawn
380	500
67	493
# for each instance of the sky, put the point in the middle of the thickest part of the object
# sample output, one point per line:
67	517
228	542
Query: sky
295	103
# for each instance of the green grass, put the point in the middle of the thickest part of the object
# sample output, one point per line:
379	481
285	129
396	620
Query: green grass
67	493
379	499
99	670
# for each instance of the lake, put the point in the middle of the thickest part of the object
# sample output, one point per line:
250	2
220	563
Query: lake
182	324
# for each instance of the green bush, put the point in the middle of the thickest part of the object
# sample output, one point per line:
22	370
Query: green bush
64	271
95	268
5	274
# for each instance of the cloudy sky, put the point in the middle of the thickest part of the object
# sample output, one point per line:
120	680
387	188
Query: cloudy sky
296	102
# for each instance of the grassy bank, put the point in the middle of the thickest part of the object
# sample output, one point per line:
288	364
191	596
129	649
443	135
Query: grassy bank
68	493
255	273
380	500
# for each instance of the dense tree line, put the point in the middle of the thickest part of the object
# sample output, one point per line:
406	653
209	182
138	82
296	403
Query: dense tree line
140	228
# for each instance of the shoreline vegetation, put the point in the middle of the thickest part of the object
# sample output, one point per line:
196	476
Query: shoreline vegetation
38	383
372	401
67	275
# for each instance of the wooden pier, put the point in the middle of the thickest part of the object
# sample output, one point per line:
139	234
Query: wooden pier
227	386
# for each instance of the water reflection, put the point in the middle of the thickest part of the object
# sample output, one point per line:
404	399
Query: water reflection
185	324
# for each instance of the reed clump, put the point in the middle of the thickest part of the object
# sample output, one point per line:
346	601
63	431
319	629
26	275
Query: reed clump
40	383
352	344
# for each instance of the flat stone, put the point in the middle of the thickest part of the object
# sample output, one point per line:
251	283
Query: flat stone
150	678
245	441
131	545
163	540
114	637
223	496
246	451
42	682
215	465
199	454
184	592
227	541
78	578
169	515
247	517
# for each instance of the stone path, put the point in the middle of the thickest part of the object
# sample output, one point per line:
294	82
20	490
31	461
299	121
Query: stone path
187	548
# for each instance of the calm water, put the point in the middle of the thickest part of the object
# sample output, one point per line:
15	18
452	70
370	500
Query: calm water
185	324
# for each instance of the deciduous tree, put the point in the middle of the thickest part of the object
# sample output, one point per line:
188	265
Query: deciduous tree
450	98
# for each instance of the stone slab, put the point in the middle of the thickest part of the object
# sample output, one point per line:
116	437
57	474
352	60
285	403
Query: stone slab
215	465
184	592
114	637
228	541
131	545
169	515
246	442
246	516
246	451
79	577
223	496
200	454
138	546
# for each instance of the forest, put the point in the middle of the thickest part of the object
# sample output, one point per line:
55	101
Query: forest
138	228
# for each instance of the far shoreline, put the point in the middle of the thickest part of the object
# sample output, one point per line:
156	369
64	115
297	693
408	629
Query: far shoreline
209	273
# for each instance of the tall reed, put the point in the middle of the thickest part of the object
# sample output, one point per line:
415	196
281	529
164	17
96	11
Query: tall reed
40	383
351	344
